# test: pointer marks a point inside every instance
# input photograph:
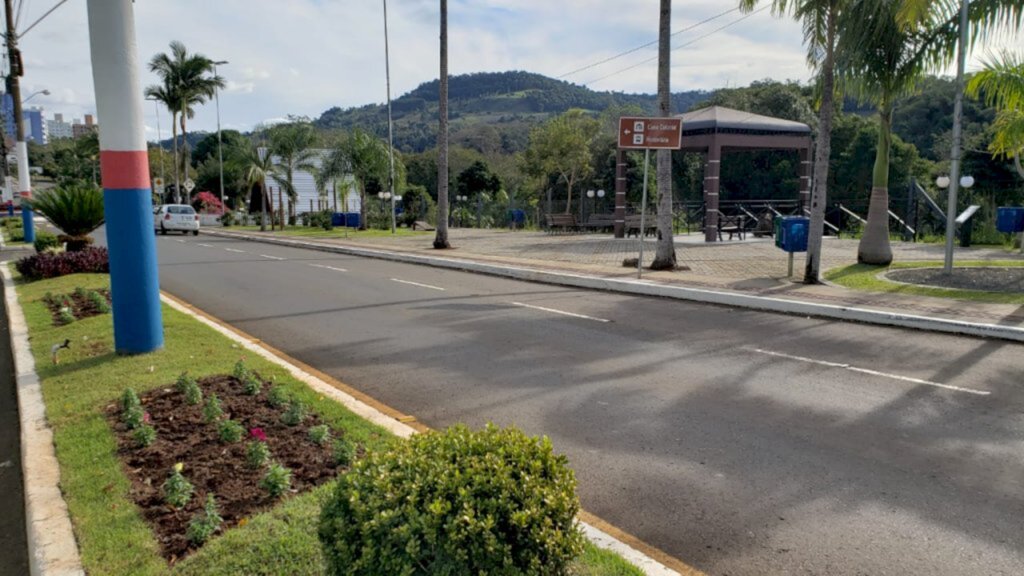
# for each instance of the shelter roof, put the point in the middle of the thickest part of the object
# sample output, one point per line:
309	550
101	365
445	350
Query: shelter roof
720	119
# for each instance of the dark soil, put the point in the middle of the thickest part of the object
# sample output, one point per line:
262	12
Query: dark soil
210	465
991	279
80	305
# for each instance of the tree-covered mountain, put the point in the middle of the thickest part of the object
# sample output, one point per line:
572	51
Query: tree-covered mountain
511	102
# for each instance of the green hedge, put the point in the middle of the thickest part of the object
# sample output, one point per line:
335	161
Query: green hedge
455	502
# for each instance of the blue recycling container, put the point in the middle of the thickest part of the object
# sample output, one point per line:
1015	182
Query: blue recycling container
1010	219
352	219
517	216
337	219
791	233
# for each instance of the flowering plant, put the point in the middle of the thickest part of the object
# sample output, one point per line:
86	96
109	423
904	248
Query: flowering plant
258	434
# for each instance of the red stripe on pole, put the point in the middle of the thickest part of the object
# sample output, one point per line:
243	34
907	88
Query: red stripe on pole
124	170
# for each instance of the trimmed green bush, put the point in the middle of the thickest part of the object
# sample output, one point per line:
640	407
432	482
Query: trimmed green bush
455	502
45	241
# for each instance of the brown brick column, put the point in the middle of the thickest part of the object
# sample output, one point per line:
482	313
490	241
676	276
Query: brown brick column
805	179
620	193
712	170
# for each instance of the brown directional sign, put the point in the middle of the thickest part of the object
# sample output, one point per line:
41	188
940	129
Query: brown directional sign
641	133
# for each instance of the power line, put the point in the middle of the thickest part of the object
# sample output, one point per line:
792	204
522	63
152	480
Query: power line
690	43
641	47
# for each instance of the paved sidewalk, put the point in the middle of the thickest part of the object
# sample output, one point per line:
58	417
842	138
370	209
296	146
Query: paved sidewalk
753	266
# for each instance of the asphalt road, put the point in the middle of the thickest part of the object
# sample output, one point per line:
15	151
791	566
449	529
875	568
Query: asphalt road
740	442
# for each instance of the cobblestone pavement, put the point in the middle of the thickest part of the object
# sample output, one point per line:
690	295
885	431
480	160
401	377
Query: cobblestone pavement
753	265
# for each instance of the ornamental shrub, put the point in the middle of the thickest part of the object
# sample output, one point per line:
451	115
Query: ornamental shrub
45	241
54	264
455	502
229	431
204	524
177	490
144	435
295	413
212	409
277	480
277	396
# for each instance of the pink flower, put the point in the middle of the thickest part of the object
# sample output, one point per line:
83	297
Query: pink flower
258	434
145	418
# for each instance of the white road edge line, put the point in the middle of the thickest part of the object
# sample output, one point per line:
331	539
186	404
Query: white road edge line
417	284
325	267
562	312
871	372
271	257
650	566
235	250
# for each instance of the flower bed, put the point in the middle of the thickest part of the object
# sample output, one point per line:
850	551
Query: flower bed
212	449
81	303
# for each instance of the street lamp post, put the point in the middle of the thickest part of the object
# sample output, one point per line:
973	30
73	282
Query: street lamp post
220	148
965	182
595	195
391	141
954	166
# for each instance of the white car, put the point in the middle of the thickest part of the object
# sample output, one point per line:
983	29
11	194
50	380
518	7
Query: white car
179	217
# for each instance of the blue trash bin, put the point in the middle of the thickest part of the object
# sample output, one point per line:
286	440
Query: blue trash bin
1010	219
791	233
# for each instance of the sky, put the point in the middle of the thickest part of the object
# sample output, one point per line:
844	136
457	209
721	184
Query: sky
301	57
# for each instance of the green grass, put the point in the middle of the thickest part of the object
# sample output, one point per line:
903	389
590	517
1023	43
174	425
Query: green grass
112	536
311	232
865	277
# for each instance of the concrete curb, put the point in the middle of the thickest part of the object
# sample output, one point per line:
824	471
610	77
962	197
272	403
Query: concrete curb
52	548
599	537
643	288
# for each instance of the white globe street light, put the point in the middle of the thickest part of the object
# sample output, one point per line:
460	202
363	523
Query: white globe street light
967	181
942	181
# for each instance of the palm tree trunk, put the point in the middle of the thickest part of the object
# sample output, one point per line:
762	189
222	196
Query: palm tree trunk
874	245
177	178
441	238
822	155
185	155
362	205
263	200
665	253
568	195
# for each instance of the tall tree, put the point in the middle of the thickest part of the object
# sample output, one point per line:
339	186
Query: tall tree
165	94
257	165
665	253
441	238
367	158
291	145
189	80
880	60
1001	84
562	146
820	20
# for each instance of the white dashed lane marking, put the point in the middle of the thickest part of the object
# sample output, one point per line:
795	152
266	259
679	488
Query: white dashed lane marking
417	284
562	312
325	267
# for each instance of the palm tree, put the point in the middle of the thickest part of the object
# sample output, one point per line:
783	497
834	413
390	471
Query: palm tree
257	164
441	238
820	23
367	158
76	210
188	81
334	166
665	254
1001	83
166	95
880	60
292	146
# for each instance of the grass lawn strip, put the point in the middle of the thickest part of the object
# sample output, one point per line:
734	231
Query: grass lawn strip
868	278
111	533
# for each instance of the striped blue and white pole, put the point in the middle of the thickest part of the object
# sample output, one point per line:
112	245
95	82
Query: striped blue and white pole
124	164
28	225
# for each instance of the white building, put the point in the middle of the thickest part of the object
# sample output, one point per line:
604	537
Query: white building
305	188
58	128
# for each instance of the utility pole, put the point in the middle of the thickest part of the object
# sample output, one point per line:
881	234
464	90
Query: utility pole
391	140
955	155
20	147
127	197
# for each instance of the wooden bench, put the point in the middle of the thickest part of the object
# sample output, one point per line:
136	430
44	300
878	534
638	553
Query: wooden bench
731	225
561	222
633	225
599	222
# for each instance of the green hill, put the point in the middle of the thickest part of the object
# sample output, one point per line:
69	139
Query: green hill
499	107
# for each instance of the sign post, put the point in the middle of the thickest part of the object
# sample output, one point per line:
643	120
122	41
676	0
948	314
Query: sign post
640	133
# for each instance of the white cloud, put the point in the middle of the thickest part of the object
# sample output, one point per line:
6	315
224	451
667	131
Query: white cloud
304	56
